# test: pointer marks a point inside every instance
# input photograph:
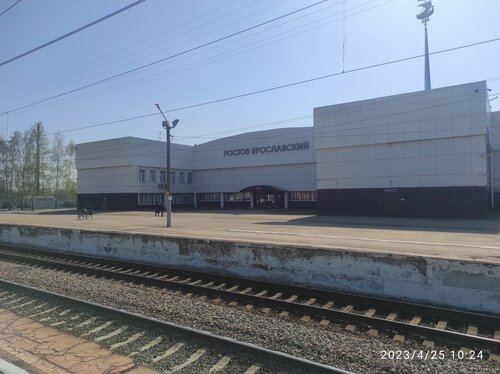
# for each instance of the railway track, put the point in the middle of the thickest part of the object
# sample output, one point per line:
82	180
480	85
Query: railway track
399	320
164	346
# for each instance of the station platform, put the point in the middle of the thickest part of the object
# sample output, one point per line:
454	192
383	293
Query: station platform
27	346
444	238
448	263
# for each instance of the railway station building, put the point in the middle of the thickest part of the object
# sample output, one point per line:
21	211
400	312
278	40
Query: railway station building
427	153
264	169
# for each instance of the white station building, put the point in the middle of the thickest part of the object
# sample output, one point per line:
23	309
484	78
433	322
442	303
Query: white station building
264	169
427	153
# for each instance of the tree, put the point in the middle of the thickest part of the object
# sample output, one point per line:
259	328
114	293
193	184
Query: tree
4	190
13	164
26	175
57	154
70	173
31	166
41	165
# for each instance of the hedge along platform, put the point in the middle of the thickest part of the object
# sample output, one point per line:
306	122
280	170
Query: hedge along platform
454	283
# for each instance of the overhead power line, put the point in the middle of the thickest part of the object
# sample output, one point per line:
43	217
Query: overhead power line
278	87
328	76
292	133
288	84
172	110
5	11
165	58
72	32
224	55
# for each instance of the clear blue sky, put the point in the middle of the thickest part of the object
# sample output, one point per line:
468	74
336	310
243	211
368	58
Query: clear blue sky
303	46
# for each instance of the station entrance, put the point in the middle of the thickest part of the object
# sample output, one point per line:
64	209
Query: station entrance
266	197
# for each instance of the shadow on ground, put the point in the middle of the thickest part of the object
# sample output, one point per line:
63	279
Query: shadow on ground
490	225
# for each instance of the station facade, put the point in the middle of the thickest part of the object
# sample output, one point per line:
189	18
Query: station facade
264	169
427	153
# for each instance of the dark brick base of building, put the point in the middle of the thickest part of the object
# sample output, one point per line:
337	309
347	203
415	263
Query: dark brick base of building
111	201
452	202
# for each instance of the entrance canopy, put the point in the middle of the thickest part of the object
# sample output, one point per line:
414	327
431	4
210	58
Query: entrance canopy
263	189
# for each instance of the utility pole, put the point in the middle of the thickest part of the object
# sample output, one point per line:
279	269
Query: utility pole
168	196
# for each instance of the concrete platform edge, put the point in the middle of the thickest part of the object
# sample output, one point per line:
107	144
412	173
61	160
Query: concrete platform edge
464	284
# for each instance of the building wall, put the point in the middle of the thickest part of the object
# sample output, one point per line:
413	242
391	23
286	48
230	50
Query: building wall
282	158
459	161
422	153
112	179
291	177
424	140
495	157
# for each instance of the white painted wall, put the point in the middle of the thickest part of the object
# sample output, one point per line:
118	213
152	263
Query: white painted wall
294	170
292	177
113	165
119	179
104	153
210	155
422	139
440	281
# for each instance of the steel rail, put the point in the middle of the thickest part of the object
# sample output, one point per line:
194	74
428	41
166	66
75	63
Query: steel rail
274	357
200	287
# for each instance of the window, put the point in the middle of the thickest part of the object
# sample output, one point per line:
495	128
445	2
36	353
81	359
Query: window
173	177
181	177
182	198
142	175
150	198
303	196
162	177
152	176
208	196
237	196
190	178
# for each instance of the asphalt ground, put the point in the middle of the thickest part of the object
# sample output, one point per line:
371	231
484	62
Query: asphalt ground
445	238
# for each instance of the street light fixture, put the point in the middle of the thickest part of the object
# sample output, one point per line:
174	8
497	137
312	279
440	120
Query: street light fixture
168	196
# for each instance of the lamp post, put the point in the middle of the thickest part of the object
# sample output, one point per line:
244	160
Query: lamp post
168	196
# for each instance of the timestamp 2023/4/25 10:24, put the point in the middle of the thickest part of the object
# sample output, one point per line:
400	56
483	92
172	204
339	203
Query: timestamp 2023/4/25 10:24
431	355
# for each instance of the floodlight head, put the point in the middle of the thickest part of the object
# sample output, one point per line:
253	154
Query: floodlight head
175	122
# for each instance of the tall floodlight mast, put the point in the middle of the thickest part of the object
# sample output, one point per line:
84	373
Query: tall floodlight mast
427	11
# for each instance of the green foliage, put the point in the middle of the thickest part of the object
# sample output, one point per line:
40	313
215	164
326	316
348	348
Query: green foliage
31	165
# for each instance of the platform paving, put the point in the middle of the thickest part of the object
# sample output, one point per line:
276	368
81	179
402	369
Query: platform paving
40	349
444	238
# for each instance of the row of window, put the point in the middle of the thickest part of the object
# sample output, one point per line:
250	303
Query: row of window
173	176
237	196
208	196
158	198
303	196
188	198
151	198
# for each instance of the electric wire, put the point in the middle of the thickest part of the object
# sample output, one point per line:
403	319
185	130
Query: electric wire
6	10
44	45
274	88
143	116
225	55
140	43
293	132
169	57
12	6
204	61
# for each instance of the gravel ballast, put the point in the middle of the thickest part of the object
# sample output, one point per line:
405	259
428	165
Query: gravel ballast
332	345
